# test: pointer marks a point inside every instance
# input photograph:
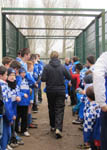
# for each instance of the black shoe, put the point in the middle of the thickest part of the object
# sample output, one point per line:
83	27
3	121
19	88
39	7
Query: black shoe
78	121
52	129
58	134
35	109
33	126
34	118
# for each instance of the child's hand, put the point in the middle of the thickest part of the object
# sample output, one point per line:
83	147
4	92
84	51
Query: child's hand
70	84
30	91
36	85
25	95
81	92
14	117
70	68
18	99
104	108
11	123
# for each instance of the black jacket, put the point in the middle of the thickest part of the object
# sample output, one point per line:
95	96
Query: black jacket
54	74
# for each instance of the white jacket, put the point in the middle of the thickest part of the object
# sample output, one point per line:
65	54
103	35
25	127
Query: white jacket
100	69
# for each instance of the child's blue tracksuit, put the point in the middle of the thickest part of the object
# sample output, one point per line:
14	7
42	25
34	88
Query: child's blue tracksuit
36	71
22	109
8	116
92	123
24	89
82	75
77	107
74	65
36	76
66	81
14	91
83	100
18	59
31	82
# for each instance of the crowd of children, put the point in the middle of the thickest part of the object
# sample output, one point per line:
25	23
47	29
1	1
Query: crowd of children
83	102
18	80
20	89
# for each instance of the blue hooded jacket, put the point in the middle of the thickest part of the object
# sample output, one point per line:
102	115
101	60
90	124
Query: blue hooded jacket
24	89
7	101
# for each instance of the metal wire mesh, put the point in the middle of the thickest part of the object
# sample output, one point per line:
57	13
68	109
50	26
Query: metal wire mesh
14	40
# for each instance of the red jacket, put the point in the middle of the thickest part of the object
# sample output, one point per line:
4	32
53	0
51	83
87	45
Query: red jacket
77	77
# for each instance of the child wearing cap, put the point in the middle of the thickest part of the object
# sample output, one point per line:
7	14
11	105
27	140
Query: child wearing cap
22	108
8	115
15	97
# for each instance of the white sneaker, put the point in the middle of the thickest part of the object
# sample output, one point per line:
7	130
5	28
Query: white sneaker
9	147
26	134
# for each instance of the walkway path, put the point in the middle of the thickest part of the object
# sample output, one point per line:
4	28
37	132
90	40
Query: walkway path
42	139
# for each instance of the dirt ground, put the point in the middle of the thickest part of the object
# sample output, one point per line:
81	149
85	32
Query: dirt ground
42	139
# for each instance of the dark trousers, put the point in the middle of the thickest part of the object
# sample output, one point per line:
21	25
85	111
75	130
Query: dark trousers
22	113
73	93
40	94
56	104
103	130
73	97
35	99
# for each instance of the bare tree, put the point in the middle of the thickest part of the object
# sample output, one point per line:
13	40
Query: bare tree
50	22
69	22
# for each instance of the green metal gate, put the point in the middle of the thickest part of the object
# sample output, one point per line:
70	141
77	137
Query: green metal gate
89	42
13	39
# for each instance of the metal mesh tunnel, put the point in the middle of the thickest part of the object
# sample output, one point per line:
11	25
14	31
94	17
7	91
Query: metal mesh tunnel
89	42
13	39
91	39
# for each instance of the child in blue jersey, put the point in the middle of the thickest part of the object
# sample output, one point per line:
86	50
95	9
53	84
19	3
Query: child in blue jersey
18	58
22	108
25	55
15	97
32	84
41	66
92	126
34	59
67	60
8	116
75	60
16	66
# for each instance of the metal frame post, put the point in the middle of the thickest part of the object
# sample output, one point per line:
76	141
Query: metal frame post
17	39
97	37
4	35
84	47
103	30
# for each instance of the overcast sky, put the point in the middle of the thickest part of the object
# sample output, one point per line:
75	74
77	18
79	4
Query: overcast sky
94	4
